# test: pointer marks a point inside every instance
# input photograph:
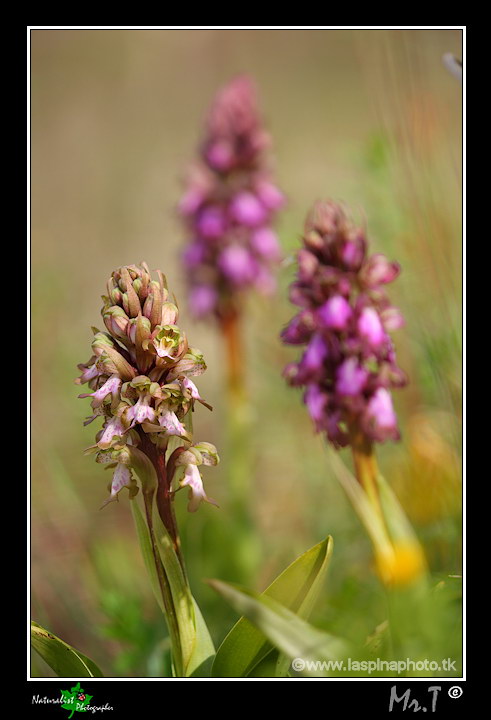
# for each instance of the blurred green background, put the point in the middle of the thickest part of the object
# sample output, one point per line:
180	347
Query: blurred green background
372	118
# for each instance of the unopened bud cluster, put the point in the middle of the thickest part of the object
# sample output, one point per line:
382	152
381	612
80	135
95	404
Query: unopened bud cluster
229	206
349	365
139	374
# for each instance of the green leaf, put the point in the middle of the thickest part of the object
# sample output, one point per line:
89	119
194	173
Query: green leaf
196	645
397	522
152	555
61	657
297	588
268	666
204	651
372	520
284	629
146	550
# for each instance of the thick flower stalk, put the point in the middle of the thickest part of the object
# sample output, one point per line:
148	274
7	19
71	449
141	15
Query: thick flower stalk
348	367
140	375
229	206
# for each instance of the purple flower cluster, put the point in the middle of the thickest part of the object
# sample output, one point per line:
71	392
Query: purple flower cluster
349	364
229	205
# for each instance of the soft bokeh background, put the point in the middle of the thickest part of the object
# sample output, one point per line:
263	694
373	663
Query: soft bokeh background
372	118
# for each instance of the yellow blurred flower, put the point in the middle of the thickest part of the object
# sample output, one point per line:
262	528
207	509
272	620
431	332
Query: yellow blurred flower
429	484
403	564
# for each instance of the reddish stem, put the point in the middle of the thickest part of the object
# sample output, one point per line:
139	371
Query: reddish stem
164	495
230	325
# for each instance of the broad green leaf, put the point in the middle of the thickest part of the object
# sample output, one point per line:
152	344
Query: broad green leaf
284	629
61	657
297	588
268	666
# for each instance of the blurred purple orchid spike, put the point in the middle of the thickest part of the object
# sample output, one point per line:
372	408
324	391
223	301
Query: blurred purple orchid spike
348	367
139	374
229	206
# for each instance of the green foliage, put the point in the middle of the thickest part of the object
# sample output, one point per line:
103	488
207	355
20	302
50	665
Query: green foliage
283	628
297	589
194	641
61	657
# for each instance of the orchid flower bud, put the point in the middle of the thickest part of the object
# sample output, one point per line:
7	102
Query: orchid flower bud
378	270
170	314
350	377
116	321
237	264
208	453
370	327
312	363
190	364
247	210
335	313
264	243
380	419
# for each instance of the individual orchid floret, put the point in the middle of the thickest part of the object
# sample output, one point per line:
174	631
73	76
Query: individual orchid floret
139	374
197	495
110	387
379	419
115	456
229	206
89	370
122	478
345	317
196	455
167	342
171	423
190	391
113	429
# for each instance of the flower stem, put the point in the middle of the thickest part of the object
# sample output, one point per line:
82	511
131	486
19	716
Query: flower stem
230	325
164	498
238	421
366	468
